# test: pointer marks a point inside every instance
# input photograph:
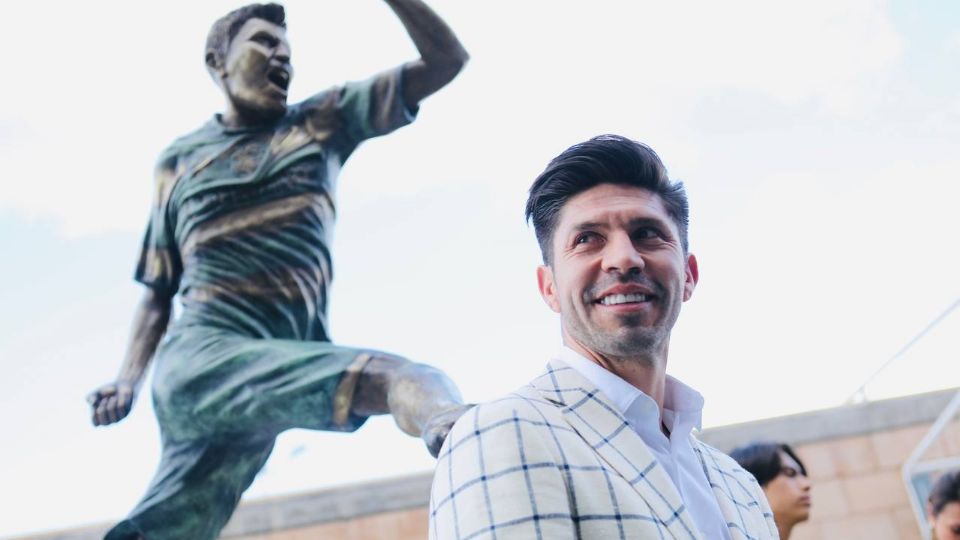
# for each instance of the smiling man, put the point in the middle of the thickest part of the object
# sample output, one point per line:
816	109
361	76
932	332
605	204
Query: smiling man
240	230
601	445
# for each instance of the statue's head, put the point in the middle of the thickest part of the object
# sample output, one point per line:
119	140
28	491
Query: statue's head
248	56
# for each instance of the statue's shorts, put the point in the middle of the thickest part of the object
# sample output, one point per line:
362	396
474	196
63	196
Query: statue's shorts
221	400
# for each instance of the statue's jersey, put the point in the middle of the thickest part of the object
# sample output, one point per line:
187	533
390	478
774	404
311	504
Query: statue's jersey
240	228
241	223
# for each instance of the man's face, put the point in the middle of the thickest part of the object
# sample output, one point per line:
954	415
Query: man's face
256	71
619	272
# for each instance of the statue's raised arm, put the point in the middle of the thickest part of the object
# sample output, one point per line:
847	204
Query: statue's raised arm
442	55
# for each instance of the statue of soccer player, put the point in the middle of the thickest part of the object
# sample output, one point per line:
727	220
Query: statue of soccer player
240	229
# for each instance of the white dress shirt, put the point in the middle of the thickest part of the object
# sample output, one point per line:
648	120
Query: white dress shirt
682	411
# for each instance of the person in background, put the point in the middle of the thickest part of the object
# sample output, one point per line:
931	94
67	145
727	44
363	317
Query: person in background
783	478
943	507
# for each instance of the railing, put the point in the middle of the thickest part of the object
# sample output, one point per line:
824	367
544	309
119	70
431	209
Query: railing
917	475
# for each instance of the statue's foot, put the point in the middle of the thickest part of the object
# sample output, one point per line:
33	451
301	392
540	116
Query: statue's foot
440	424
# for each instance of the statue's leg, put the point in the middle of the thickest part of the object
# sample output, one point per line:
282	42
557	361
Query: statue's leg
253	385
195	490
263	386
424	402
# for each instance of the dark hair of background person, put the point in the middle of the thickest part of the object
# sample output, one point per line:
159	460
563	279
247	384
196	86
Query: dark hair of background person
945	491
605	159
226	27
762	459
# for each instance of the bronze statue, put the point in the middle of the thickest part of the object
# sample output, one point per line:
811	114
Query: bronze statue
240	230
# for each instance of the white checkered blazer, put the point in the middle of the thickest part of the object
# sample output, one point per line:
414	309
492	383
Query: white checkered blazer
554	460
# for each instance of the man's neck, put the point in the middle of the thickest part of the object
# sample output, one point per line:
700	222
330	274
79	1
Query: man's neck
647	374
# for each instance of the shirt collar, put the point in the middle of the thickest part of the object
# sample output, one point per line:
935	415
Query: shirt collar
682	405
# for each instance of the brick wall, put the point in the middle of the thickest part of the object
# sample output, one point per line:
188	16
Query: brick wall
854	456
399	525
858	491
852	453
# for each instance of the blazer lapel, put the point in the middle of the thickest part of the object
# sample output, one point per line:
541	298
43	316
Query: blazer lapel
595	419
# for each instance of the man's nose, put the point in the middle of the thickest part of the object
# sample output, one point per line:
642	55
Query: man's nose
620	254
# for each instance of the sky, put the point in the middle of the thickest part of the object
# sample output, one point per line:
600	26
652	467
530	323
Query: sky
817	140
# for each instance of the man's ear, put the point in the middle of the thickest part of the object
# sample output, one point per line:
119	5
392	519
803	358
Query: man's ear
548	288
692	276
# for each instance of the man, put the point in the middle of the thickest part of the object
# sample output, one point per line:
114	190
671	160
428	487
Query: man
240	229
600	445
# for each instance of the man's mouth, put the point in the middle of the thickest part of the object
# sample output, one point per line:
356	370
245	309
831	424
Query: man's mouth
279	77
617	299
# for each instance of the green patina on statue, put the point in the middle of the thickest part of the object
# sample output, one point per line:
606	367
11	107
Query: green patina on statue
240	228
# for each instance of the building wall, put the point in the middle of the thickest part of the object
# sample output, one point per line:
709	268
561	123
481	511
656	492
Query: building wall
858	491
852	453
398	525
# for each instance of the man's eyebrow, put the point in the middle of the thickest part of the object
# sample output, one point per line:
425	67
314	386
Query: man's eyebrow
587	225
632	223
636	222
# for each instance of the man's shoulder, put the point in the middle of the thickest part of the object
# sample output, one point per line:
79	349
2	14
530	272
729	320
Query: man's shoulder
727	467
720	460
523	408
523	403
739	488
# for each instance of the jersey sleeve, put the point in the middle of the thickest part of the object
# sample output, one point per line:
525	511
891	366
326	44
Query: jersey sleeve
159	266
373	107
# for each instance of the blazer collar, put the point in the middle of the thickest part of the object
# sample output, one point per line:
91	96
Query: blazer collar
591	414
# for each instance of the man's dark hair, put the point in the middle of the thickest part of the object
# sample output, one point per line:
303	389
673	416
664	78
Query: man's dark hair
605	159
762	459
945	491
226	27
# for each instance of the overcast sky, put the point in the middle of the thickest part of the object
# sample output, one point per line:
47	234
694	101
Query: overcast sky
818	141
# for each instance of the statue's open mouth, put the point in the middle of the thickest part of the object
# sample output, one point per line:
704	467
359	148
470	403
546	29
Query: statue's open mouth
279	77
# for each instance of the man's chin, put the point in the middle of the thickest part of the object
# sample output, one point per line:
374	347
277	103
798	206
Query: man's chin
626	343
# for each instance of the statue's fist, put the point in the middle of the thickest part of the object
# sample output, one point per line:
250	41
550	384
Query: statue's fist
112	402
439	425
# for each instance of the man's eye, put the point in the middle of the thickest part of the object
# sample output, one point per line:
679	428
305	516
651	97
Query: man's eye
646	233
584	238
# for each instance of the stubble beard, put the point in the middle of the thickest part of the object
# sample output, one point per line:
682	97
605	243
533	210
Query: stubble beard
630	339
629	342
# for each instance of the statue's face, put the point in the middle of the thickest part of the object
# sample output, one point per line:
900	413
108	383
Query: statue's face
256	71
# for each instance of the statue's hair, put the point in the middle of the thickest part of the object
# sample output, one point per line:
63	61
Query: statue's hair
226	27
